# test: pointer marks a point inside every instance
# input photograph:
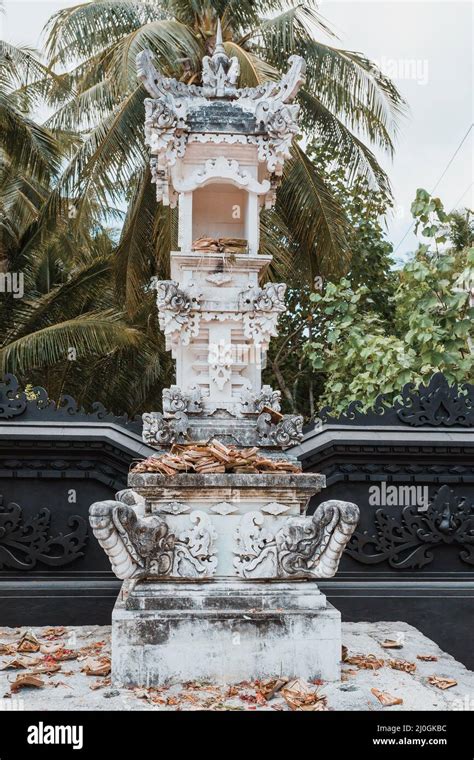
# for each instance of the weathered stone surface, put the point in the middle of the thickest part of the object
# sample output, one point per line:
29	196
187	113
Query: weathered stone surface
223	632
222	117
353	693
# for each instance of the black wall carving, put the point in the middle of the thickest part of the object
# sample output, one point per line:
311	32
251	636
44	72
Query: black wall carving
436	404
24	543
411	540
14	403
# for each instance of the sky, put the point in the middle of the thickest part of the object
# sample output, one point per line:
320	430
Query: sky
425	47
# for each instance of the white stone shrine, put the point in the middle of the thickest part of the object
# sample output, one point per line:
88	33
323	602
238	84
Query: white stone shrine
220	569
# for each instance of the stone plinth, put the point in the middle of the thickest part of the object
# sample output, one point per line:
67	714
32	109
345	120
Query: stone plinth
223	631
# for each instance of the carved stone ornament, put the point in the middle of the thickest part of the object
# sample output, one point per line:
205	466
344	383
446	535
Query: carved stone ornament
261	308
220	363
288	432
253	403
221	168
25	542
219	278
175	508
144	547
306	547
12	401
178	311
161	431
409	540
256	553
195	555
223	508
175	400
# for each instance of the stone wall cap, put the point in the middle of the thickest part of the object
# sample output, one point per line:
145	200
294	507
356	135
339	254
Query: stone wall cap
309	481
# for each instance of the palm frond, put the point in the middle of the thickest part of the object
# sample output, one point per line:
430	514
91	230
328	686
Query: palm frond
313	216
92	334
75	33
134	259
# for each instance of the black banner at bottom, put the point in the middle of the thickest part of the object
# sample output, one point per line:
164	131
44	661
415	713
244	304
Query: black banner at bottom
372	734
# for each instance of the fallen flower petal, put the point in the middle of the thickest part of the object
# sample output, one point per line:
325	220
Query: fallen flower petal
299	694
100	666
28	643
391	644
270	687
54	632
21	662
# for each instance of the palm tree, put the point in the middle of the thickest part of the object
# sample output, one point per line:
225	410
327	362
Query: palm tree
67	333
347	103
66	330
29	153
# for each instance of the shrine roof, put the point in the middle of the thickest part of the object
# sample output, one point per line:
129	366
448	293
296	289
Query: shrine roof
224	116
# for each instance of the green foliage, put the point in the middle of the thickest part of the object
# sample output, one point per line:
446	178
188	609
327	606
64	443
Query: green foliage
368	254
362	353
288	366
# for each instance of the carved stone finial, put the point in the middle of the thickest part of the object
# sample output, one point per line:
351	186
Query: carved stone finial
219	72
219	46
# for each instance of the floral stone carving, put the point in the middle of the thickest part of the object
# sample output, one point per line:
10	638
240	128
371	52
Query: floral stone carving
161	431
175	400
177	312
254	403
285	433
261	308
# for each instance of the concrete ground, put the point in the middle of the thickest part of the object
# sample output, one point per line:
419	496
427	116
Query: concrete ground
68	688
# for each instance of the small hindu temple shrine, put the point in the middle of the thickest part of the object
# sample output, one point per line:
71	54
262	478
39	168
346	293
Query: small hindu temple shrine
218	556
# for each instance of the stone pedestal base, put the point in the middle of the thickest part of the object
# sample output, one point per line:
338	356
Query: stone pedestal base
223	631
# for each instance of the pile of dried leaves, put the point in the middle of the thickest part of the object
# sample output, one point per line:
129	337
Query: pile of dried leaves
213	457
246	695
220	245
44	655
365	661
